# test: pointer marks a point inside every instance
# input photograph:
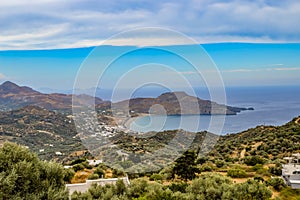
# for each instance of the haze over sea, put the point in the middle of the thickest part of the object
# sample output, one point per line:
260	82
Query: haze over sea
273	106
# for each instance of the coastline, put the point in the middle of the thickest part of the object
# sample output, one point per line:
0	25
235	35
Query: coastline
129	120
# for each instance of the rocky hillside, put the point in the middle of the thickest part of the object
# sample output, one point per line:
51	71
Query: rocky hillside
45	132
270	142
177	103
13	96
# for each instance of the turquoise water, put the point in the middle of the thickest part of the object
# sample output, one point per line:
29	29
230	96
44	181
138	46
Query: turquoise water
273	106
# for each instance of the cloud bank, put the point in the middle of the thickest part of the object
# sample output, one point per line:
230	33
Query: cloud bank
46	24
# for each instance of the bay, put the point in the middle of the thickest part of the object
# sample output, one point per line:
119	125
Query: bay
273	106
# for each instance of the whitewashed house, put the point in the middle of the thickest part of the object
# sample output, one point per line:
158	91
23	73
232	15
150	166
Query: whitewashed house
291	171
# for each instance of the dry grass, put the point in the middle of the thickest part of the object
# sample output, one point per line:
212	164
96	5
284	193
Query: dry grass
81	176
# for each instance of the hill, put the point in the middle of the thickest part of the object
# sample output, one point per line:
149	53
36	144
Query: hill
13	96
270	142
45	132
177	103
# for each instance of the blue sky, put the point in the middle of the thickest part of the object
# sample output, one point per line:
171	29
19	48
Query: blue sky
44	42
240	64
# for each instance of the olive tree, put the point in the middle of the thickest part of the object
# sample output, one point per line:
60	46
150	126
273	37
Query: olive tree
24	176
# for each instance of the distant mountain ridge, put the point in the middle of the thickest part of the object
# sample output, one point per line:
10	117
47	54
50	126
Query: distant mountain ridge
177	103
13	96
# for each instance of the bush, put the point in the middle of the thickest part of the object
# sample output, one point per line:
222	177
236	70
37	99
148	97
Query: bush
236	173
78	167
251	190
276	183
276	170
93	176
69	174
99	171
253	160
257	167
219	163
207	167
78	161
178	187
156	177
117	173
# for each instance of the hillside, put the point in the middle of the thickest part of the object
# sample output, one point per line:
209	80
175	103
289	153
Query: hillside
13	96
37	128
45	132
177	103
270	142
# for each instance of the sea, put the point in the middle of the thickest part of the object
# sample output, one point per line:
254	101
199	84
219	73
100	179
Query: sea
273	105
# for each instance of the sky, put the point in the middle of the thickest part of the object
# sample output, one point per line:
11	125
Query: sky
45	43
40	24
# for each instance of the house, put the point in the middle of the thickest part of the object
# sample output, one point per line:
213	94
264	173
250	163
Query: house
94	162
291	171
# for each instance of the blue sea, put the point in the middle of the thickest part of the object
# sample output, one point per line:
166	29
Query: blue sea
272	106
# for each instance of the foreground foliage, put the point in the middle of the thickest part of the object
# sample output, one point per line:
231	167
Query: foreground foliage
24	176
206	186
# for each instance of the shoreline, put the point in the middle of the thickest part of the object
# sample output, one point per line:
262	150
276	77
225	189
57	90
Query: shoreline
129	120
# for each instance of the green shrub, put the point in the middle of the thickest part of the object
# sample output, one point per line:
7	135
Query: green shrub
69	174
93	176
253	160
178	187
77	161
156	177
257	167
237	173
207	167
219	163
276	183
276	170
117	173
78	167
99	172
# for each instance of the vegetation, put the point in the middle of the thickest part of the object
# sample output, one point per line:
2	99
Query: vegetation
250	162
237	173
208	187
24	176
186	166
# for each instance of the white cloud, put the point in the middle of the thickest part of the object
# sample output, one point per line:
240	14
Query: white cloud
62	23
264	69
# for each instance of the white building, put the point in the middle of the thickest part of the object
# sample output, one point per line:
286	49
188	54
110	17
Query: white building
94	162
291	171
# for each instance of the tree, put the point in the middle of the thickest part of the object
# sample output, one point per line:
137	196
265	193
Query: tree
253	160
251	190
186	166
24	176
